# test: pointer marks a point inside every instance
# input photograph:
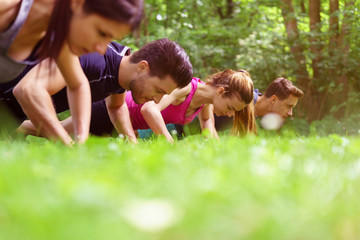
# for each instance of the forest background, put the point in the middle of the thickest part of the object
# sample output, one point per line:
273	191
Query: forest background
312	43
277	185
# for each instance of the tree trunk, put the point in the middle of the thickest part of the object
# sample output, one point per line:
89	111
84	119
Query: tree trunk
144	27
229	8
294	41
302	6
302	74
315	49
333	38
333	25
315	44
252	15
220	10
344	47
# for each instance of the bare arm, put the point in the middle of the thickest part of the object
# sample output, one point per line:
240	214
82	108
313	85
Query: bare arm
28	128
151	111
78	92
119	115
152	115
206	118
33	94
8	12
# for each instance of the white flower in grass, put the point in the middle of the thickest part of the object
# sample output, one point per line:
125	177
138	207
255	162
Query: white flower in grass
354	170
113	146
345	141
272	121
153	215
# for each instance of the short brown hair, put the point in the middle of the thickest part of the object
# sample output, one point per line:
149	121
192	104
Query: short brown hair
166	57
283	88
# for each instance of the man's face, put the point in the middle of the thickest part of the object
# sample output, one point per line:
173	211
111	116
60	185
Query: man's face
146	88
283	107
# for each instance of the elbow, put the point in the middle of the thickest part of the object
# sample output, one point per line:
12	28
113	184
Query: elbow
22	93
148	108
145	110
82	86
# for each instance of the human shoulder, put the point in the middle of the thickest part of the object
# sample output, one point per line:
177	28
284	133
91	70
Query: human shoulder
42	9
45	2
117	49
8	4
181	93
8	12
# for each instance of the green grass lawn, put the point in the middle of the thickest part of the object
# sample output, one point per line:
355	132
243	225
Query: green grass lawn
255	188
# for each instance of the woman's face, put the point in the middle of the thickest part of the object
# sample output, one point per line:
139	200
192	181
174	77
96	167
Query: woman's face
227	106
92	33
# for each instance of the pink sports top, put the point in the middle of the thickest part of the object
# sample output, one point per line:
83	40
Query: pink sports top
172	114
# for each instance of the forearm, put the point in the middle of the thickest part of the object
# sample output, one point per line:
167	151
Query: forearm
79	99
121	120
78	91
156	122
37	105
209	124
27	128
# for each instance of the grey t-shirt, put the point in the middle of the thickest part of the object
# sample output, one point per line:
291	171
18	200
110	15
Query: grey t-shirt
10	69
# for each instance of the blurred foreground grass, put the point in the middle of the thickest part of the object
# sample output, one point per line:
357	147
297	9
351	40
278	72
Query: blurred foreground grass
203	189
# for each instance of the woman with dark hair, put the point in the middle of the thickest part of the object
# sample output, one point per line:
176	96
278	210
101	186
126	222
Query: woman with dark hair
61	30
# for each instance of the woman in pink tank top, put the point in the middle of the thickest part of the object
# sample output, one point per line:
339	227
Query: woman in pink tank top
227	93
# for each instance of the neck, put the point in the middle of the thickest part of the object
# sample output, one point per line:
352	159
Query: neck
126	72
204	94
261	106
37	21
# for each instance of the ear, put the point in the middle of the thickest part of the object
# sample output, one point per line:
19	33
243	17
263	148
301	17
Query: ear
273	99
220	90
142	66
77	4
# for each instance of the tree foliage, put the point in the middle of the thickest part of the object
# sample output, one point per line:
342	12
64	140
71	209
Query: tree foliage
313	43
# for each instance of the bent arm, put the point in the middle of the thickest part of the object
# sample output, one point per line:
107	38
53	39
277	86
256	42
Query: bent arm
33	94
151	111
206	118
152	115
28	128
119	115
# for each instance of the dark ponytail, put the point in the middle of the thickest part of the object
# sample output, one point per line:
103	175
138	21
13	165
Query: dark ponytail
57	30
124	11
